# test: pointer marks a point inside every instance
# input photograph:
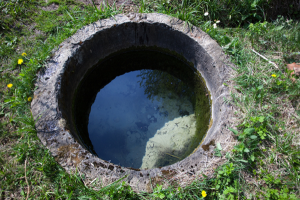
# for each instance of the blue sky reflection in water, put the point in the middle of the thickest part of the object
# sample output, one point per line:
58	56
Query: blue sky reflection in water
142	119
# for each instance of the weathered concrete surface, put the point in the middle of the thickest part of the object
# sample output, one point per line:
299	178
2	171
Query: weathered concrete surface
52	103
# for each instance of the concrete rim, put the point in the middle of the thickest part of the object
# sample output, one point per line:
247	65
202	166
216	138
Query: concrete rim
97	41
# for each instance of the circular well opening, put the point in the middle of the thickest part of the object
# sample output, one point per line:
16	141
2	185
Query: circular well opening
142	109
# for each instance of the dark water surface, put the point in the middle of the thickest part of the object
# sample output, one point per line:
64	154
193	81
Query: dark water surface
141	109
124	116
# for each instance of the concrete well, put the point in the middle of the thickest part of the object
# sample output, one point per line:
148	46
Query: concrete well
57	83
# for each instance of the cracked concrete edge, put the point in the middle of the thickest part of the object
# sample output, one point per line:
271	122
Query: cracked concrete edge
55	132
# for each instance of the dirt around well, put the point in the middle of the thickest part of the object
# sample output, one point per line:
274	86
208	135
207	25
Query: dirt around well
127	5
50	7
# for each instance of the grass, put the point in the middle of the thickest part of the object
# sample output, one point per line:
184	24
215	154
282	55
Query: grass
265	162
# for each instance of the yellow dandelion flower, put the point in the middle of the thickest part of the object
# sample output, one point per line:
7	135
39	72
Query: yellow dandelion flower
203	193
9	85
29	99
20	61
24	54
274	75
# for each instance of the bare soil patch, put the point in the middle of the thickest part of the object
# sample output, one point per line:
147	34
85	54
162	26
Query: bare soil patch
51	7
127	5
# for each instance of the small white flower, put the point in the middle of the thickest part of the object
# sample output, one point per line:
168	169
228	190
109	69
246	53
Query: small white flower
215	25
206	13
217	21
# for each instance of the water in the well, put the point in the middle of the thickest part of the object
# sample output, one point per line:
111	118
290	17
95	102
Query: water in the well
143	119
